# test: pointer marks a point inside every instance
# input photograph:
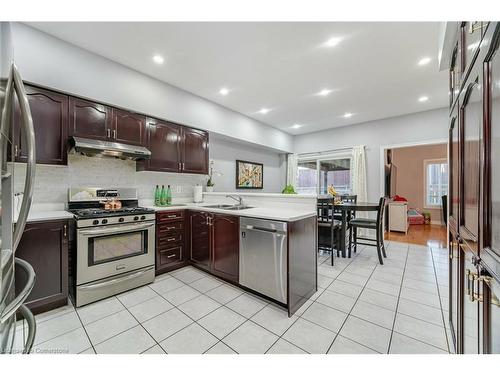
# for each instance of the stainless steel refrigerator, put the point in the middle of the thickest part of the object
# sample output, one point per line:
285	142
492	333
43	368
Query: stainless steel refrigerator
11	228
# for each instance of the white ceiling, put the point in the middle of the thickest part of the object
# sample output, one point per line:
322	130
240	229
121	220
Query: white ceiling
373	71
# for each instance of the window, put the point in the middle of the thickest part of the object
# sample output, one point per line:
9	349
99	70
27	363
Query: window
307	177
315	175
436	181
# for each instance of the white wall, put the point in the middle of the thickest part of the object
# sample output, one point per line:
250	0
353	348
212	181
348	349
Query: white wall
418	127
51	62
225	152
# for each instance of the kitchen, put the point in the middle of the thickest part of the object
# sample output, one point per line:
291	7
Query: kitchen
152	208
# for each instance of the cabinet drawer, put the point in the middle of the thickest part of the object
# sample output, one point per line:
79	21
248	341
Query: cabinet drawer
170	255
169	240
164	217
167	228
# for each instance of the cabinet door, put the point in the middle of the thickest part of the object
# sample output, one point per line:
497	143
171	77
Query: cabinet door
128	127
49	111
492	156
194	151
225	246
472	33
453	288
491	306
471	134
89	119
454	169
200	239
45	246
469	305
164	142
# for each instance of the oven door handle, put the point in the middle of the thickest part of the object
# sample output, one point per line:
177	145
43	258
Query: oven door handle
116	280
115	230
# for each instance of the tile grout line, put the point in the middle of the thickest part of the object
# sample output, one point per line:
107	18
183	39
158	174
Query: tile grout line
440	302
399	297
354	304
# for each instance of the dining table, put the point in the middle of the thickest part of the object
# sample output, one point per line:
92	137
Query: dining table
347	209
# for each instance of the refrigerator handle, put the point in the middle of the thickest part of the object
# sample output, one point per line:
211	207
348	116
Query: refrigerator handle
16	303
27	123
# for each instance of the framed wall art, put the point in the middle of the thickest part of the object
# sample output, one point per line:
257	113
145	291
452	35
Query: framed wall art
249	175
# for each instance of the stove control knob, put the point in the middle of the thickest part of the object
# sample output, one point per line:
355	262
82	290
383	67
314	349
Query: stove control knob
104	221
136	217
95	222
121	220
143	217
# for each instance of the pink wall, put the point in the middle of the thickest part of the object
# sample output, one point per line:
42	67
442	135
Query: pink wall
410	174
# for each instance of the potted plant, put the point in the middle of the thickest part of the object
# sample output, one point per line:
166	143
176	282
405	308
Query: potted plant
211	173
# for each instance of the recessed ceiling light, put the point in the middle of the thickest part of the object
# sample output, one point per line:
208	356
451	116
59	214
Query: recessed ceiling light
424	61
423	98
223	91
324	92
332	42
264	110
347	114
296	126
158	59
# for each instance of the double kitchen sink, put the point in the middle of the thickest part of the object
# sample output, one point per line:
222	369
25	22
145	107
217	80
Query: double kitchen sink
230	207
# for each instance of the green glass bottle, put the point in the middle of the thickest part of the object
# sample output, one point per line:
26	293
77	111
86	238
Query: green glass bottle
163	196
169	196
157	196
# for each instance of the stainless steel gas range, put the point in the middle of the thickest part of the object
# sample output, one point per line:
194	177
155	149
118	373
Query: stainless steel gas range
115	249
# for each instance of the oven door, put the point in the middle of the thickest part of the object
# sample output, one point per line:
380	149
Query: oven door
114	249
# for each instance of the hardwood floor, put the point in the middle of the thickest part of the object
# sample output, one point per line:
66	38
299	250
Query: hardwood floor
430	235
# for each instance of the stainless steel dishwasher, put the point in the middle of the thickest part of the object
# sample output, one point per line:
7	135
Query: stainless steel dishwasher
263	257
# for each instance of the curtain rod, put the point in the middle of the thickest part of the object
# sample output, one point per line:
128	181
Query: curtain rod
325	152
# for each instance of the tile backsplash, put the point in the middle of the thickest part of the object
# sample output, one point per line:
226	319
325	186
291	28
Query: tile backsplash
52	182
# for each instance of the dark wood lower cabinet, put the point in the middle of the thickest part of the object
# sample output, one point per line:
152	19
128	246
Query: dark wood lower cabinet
215	243
45	246
171	252
225	230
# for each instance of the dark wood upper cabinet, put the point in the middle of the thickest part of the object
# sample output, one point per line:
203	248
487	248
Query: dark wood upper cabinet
195	151
454	170
89	119
49	111
200	239
164	142
128	127
45	246
471	149
225	246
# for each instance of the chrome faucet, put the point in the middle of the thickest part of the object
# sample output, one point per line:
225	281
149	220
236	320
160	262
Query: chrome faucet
238	199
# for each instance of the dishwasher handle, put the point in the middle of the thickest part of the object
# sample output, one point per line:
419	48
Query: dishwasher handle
266	230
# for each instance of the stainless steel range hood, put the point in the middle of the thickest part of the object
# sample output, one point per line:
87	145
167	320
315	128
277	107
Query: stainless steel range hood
92	147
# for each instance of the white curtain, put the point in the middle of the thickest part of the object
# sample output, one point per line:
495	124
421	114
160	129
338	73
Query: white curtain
359	173
291	170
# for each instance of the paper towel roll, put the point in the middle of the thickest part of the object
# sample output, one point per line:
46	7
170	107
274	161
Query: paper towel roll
198	194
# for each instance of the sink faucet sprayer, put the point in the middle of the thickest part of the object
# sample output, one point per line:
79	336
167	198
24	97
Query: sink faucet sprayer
238	199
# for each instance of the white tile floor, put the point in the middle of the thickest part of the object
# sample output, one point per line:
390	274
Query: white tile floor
360	307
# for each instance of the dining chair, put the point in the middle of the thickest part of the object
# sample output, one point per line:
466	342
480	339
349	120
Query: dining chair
328	227
373	224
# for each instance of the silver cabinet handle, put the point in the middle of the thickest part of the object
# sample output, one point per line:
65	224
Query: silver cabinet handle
15	84
171	239
30	319
19	300
114	133
108	133
171	256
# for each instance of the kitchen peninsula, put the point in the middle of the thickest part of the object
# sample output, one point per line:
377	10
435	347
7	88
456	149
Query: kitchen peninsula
266	244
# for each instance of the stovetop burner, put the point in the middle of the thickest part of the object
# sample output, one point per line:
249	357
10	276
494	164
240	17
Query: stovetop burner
89	213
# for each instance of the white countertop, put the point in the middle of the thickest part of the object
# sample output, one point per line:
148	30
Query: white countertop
48	215
271	213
